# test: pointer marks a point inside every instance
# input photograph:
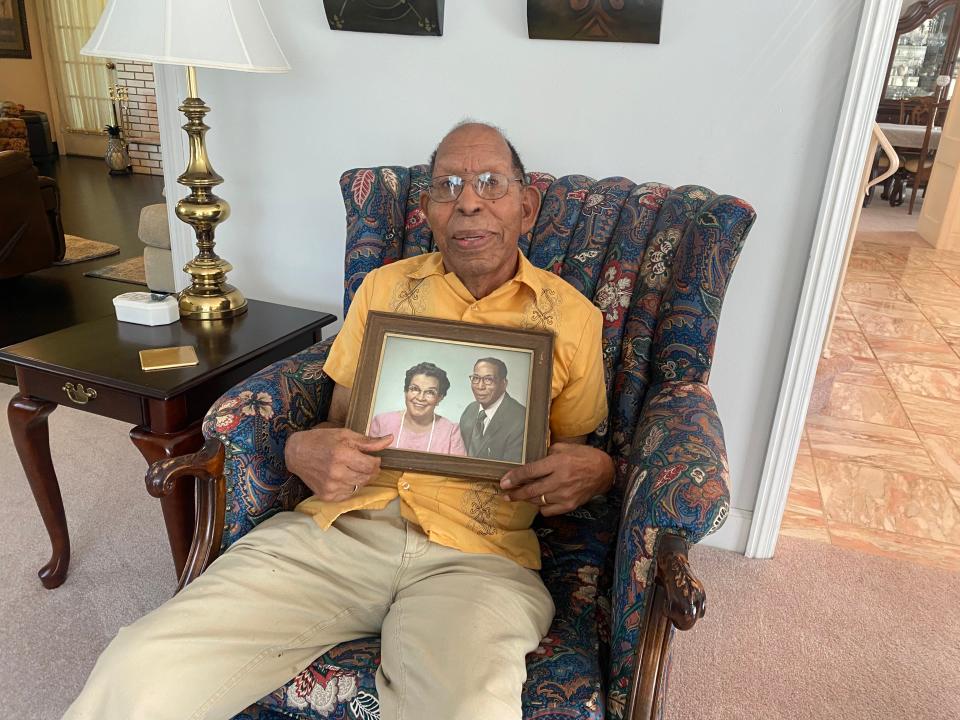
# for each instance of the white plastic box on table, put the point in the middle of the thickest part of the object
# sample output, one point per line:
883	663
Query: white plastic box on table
144	308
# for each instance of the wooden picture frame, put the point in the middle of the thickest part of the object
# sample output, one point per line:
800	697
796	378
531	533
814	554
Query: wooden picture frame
393	345
14	40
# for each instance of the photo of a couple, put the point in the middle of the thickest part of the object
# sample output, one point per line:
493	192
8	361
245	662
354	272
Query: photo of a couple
491	421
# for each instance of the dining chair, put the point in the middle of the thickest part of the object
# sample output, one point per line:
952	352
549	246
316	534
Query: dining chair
917	168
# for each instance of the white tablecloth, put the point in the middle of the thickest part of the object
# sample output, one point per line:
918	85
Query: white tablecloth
909	136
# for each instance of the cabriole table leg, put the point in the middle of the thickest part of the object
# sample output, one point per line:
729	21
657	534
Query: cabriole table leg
31	437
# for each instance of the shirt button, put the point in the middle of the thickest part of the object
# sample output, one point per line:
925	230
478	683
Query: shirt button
405	486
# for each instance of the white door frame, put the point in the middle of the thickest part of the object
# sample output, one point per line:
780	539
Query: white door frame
840	194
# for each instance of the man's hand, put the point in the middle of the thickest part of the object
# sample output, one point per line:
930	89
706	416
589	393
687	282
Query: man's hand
567	478
333	461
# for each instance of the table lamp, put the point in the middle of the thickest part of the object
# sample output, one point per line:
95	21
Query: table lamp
223	34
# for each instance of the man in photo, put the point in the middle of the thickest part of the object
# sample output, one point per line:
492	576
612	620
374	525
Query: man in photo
492	427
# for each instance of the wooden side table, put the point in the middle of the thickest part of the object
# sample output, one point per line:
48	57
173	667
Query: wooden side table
95	367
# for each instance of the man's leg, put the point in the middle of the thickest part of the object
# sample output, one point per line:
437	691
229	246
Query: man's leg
278	598
455	640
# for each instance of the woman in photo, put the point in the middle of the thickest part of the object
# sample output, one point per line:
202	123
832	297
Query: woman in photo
418	426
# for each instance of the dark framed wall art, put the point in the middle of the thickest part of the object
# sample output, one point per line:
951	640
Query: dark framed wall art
14	42
397	17
635	21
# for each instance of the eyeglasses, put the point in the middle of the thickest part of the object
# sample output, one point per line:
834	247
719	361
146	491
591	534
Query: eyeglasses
485	380
430	394
488	185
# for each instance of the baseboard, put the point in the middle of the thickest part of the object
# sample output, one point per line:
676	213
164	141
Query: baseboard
733	535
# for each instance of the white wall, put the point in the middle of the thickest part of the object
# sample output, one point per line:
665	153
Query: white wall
740	96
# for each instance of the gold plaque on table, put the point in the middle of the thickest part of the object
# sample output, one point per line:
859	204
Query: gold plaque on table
168	358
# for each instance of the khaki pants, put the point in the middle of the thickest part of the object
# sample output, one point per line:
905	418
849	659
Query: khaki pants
455	626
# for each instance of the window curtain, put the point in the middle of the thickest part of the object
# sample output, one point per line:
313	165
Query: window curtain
82	82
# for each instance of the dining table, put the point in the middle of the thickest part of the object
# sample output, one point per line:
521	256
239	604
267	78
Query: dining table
910	136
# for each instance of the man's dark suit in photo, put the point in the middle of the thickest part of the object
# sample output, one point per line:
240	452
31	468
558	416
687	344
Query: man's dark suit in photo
500	438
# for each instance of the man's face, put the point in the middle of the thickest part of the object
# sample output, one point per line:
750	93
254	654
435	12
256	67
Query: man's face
478	237
488	386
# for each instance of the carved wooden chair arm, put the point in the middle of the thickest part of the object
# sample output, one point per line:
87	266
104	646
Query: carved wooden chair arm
686	600
205	469
678	601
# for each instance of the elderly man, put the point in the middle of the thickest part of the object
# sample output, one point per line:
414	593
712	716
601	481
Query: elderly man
492	427
443	569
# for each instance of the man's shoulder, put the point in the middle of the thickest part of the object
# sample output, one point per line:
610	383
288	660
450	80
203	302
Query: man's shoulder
567	292
510	402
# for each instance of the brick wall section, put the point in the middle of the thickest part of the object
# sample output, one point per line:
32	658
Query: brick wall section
144	130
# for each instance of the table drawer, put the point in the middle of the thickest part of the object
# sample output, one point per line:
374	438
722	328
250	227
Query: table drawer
89	397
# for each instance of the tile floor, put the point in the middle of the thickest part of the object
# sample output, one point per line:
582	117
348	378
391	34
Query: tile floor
879	464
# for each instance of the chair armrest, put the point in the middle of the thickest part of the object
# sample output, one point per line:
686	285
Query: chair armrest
50	196
205	467
253	421
676	493
686	600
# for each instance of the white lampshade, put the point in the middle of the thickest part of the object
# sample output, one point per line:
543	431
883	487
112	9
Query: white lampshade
227	34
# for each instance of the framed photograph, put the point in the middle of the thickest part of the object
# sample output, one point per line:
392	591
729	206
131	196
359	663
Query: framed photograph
459	399
14	42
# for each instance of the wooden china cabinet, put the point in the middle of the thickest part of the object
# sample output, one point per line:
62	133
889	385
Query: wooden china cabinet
925	48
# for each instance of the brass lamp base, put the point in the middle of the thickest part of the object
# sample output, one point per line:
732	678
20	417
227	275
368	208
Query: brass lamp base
209	297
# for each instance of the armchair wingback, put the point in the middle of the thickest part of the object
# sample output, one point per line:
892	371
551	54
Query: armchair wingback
656	261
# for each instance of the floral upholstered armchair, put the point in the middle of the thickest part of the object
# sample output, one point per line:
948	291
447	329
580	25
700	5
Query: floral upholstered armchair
656	261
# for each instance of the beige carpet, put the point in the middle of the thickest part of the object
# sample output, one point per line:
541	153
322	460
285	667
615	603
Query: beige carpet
818	632
129	271
80	249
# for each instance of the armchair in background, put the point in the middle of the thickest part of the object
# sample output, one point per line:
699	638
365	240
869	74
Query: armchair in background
31	234
154	233
656	261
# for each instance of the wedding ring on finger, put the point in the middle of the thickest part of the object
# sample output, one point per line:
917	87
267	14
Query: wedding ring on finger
543	499
355	488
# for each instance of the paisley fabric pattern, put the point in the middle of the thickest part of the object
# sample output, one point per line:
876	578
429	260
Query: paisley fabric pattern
677	481
253	421
656	261
690	313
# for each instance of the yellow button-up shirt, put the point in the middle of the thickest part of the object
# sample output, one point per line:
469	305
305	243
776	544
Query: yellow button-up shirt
472	515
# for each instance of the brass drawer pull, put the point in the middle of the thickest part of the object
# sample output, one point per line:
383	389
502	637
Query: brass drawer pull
78	394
